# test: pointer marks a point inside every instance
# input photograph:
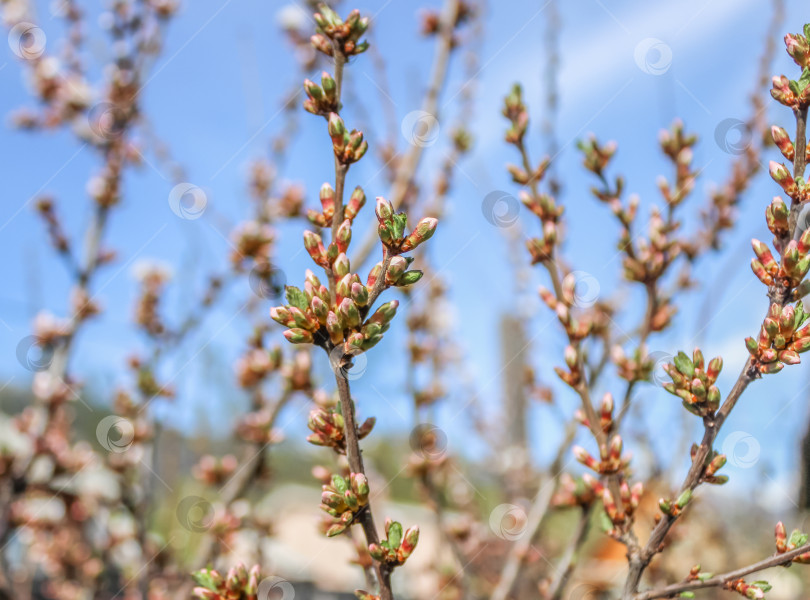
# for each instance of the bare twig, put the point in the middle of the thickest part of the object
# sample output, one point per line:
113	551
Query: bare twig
721	580
407	169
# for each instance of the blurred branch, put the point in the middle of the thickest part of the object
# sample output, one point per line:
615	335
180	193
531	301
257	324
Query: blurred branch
407	169
722	581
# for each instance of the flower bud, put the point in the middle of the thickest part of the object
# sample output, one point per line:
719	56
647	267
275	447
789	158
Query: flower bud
315	248
374	275
344	235
396	268
298	336
782	141
336	127
409	277
359	294
383	209
341	265
348	314
782	176
356	202
424	231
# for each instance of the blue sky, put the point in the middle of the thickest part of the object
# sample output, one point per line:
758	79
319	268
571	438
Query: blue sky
213	97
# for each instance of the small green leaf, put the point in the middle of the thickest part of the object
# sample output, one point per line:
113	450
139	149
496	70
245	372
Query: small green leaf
804	79
794	87
797	538
297	298
684	364
400	223
339	483
395	534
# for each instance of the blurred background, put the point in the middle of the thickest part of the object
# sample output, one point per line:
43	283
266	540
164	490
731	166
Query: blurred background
216	101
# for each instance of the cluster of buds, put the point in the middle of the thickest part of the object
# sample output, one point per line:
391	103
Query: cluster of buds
257	428
581	491
694	382
515	110
321	99
343	499
576	329
339	35
252	240
391	228
215	471
327	427
311	319
542	248
752	591
637	367
327	197
349	146
795	94
786	544
605	414
696	574
153	278
776	216
610	460
397	546
790	271
238	584
595	156
678	147
673	508
713	463
653	255
256	364
522	177
630	497
56	233
782	337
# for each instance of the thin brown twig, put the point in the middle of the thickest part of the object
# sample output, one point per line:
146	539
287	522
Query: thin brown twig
568	561
355	458
721	580
537	514
407	168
